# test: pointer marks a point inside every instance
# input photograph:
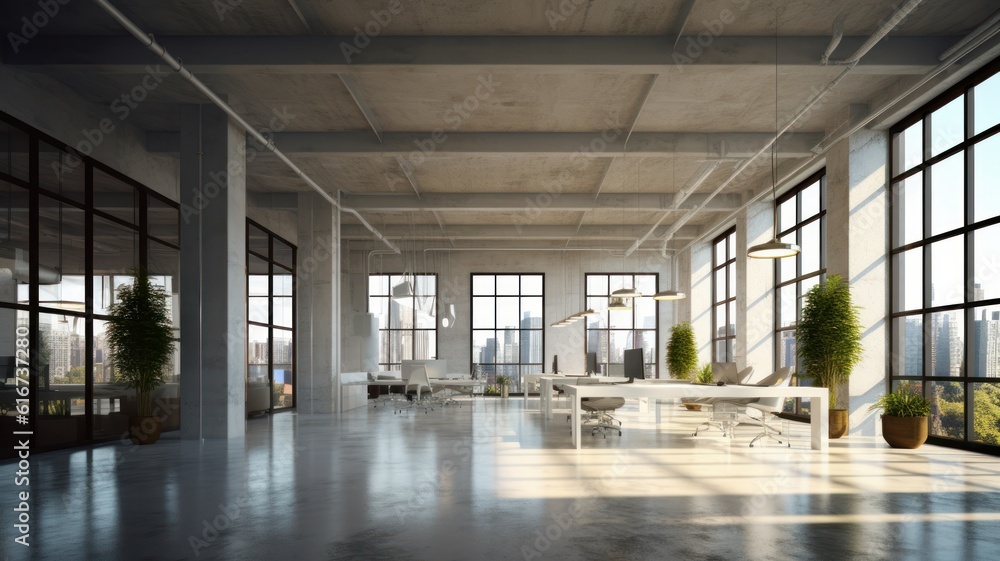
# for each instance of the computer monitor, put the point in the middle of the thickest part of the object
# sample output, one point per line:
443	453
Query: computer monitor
634	367
592	366
555	364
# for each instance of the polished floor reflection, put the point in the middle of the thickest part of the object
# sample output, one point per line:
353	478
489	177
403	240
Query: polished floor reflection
491	480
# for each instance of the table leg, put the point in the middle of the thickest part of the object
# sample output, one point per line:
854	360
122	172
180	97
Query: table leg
575	419
546	397
819	423
656	405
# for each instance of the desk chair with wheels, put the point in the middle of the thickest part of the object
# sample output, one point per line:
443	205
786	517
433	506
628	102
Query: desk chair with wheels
600	408
421	393
721	372
781	378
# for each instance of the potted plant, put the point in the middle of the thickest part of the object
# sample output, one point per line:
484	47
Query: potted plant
141	345
504	384
904	418
682	355
828	341
704	376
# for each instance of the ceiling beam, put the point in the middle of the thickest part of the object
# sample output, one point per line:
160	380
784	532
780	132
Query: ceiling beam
529	203
608	232
566	144
303	54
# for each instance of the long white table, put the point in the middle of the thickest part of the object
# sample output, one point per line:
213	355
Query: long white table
549	380
819	419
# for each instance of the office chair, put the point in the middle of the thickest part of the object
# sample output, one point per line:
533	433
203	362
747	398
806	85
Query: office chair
599	409
721	372
421	394
388	396
781	378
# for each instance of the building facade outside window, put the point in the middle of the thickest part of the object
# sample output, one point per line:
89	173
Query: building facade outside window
724	296
508	319
945	318
801	220
407	326
612	332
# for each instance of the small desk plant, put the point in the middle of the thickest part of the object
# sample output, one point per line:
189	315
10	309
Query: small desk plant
904	417
503	382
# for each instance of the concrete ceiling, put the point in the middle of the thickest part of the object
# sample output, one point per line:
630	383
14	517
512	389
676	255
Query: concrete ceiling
552	116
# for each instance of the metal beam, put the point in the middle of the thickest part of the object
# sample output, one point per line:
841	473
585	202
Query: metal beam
567	144
222	54
500	232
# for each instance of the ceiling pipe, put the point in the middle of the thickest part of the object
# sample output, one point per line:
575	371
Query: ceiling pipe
173	63
968	38
967	44
850	63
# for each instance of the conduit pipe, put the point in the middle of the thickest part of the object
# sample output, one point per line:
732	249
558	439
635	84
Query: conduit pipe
161	52
850	63
966	45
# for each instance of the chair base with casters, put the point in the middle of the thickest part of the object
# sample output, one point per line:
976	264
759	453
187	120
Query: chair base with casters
769	432
599	409
771	405
422	393
726	373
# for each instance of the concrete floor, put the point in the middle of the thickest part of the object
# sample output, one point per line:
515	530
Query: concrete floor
491	480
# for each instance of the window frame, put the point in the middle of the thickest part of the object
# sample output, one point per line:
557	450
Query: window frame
729	338
516	385
652	366
385	332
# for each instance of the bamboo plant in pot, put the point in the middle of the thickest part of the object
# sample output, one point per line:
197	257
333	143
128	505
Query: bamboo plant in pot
503	382
682	355
141	346
904	418
828	340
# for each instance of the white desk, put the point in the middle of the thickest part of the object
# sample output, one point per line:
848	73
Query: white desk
819	423
440	382
548	380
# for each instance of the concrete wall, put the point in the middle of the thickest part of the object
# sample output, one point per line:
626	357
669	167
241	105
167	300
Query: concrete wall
564	295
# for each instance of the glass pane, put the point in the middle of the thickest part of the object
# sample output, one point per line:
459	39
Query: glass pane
621	319
14	153
908	205
282	389
531	346
985	352
426	312
62	266
720	321
810	201
947	409
947	343
507	346
720	285
483	285
646	284
620	340
985	108
810	248
257	241
986	412
116	249
507	312
258	311
732	318
731	272
379	305
401	313
378	285
908	347
508	284
908	148
786	215
616	282
786	348
283	254
531	313
599	305
987	263
162	220
786	306
531	285
597	285
907	271
948	195
111	400
986	176
731	246
948	126
115	197
283	311
483	312
14	251
164	269
645	313
424	344
282	284
484	345
57	173
426	285
719	250
947	266
61	380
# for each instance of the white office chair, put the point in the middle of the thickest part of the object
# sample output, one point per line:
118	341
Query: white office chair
722	372
421	394
781	378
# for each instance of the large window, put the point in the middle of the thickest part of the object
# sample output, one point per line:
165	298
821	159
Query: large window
270	321
407	326
724	296
508	316
71	232
946	260
614	331
802	221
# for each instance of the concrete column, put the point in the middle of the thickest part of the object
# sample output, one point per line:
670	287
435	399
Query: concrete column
318	313
857	248
755	291
213	275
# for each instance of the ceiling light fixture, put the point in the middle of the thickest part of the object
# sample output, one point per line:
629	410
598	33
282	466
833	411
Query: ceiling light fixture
774	249
618	304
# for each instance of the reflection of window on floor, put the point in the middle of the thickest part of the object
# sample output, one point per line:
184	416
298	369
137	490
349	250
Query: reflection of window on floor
507	326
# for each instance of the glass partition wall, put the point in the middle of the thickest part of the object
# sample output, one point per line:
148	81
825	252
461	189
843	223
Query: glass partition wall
270	321
71	231
945	319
